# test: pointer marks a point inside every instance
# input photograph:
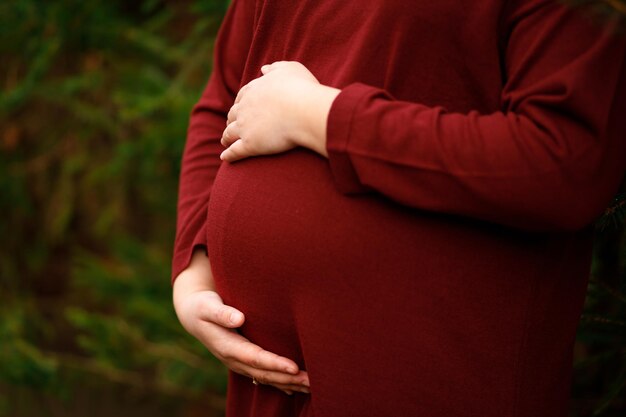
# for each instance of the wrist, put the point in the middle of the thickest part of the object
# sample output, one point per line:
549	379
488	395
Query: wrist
196	277
315	114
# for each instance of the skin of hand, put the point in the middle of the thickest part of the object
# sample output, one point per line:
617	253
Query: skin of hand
284	108
203	314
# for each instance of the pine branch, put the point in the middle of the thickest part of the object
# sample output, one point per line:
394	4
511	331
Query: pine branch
594	318
130	378
614	215
612	8
618	6
607	289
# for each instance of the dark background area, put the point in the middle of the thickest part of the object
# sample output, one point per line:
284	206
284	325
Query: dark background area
94	103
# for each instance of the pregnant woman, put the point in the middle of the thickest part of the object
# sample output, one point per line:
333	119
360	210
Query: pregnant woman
400	204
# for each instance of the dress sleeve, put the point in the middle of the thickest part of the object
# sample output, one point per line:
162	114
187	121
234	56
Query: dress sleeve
200	160
549	160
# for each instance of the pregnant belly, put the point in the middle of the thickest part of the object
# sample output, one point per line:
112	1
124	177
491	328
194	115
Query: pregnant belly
310	266
281	218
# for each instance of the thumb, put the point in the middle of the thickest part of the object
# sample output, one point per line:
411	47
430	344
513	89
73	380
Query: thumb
273	66
215	311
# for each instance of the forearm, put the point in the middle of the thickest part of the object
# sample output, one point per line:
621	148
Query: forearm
546	173
549	157
200	160
315	109
196	277
199	167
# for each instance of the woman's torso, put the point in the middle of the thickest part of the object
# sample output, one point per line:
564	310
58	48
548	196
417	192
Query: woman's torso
434	311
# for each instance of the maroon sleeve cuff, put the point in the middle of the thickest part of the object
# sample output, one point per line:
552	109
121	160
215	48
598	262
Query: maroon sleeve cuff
338	131
182	258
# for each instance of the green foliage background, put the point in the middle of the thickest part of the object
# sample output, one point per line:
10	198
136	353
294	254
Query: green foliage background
93	113
94	104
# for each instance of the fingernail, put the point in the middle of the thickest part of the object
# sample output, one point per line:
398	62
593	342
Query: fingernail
235	317
305	390
291	369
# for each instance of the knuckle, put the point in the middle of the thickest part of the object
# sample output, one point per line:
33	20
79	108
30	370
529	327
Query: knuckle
227	355
220	356
222	315
255	361
264	378
238	369
228	132
234	149
203	310
225	352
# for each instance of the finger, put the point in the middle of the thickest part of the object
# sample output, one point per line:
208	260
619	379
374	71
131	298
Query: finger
266	69
232	114
273	66
292	388
298	382
300	387
243	90
240	94
293	382
236	151
215	311
232	348
230	134
239	349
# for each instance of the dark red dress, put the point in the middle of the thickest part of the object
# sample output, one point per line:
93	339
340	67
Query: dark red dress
436	264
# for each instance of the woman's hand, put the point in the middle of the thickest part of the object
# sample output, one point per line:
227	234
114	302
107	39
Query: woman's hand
203	314
284	108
